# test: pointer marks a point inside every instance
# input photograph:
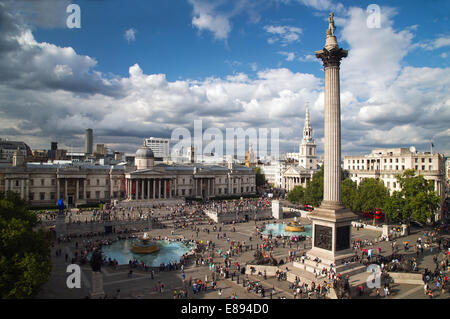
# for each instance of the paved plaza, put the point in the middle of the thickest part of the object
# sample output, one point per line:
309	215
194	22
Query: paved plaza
118	283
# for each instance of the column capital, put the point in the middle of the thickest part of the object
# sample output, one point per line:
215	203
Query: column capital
331	58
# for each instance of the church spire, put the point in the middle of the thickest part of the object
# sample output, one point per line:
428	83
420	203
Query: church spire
307	129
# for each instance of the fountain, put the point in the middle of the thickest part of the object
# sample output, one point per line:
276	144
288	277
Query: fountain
145	246
291	229
294	226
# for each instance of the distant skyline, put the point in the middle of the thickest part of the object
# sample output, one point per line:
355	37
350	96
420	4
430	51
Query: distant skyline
138	68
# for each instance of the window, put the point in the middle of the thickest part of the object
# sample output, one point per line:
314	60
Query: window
17	182
416	167
42	182
32	182
53	182
98	182
42	196
31	196
430	160
182	192
88	195
430	168
416	160
423	167
423	159
52	195
97	194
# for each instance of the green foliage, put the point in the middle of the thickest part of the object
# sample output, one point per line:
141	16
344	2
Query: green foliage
371	195
260	177
297	195
349	193
314	189
417	199
393	207
24	253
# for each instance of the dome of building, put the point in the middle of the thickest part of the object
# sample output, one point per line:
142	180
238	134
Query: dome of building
144	152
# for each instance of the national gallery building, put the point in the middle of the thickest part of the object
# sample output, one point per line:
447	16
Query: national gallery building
42	184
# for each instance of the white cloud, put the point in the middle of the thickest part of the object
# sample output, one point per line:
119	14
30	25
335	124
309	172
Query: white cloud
283	34
211	16
308	58
130	35
62	71
49	92
290	56
440	42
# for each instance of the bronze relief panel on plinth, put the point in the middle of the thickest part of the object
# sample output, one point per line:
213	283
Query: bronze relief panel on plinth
323	236
342	238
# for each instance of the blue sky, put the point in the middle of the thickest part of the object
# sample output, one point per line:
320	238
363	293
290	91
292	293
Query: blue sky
166	41
236	63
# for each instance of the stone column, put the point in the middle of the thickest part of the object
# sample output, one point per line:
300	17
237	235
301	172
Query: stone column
159	188
77	195
136	196
27	189
331	223
331	56
6	185
111	188
165	189
176	186
84	189
65	191
22	195
194	187
148	189
154	187
142	189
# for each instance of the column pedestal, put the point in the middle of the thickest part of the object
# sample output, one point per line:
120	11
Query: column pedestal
97	291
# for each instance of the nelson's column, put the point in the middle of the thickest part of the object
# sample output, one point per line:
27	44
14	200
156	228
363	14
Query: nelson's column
331	222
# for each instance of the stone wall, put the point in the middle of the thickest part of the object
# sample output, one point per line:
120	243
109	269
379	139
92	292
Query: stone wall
406	278
270	270
241	216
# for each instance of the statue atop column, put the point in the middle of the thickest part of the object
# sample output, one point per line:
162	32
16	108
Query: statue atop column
96	260
331	27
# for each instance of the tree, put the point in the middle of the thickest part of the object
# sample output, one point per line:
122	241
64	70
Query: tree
24	253
393	205
260	177
297	195
417	199
371	195
314	189
349	193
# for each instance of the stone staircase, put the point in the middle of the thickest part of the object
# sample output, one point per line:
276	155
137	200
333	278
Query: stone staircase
349	269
